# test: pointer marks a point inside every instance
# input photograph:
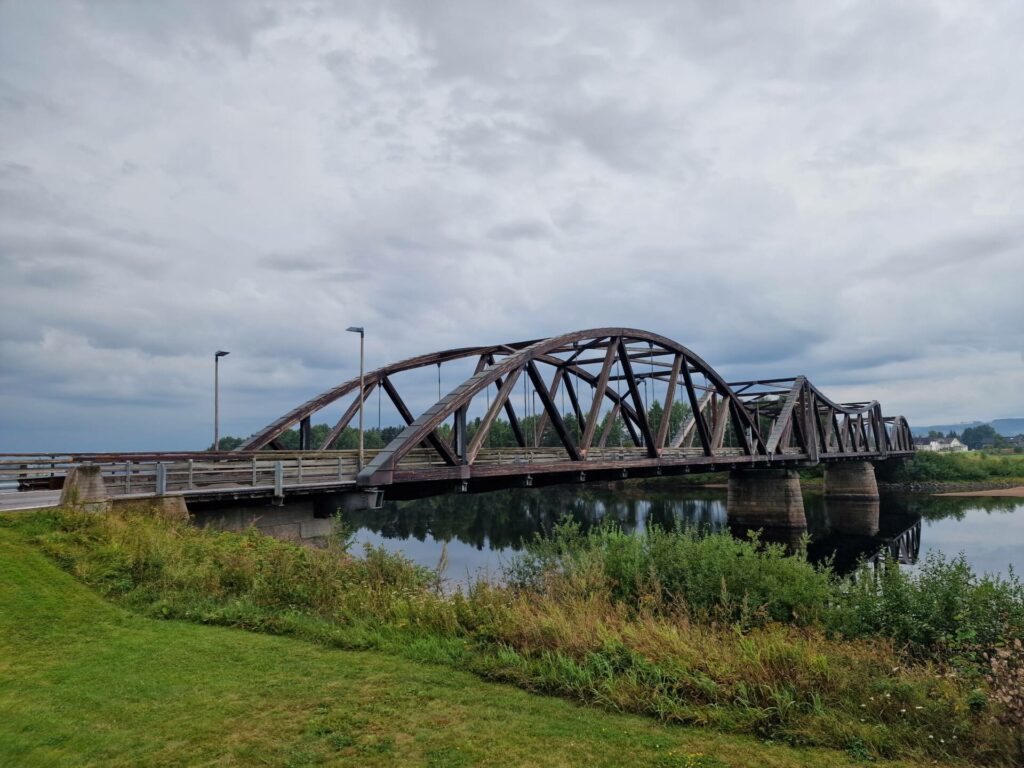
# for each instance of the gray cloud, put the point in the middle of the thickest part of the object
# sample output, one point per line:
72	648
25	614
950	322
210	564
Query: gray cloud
789	188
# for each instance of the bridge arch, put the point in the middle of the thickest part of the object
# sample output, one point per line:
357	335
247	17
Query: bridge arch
764	418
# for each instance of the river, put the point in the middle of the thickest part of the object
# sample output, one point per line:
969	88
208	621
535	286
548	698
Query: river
481	532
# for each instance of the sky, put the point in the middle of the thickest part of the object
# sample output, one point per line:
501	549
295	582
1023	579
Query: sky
827	189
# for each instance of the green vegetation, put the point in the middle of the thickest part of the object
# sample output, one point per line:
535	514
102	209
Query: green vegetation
82	682
972	467
976	437
695	631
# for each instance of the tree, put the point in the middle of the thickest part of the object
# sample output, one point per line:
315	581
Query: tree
975	437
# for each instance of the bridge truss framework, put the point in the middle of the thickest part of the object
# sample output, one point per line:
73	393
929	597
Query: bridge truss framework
608	375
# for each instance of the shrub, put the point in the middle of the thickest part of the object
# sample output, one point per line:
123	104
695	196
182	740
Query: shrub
943	609
714	574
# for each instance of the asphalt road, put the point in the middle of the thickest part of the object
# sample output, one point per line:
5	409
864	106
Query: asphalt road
14	501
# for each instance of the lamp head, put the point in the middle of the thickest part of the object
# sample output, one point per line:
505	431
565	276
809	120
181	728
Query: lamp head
221	353
355	329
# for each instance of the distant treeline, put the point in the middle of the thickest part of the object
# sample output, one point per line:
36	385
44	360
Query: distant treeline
501	434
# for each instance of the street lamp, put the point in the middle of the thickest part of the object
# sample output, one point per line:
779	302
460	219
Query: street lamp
362	336
216	397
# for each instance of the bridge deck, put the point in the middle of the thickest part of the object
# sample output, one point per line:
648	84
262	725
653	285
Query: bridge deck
209	477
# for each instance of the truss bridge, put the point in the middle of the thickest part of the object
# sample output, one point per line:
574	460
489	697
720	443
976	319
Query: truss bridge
600	404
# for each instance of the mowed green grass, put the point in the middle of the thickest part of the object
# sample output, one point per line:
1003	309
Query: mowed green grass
83	682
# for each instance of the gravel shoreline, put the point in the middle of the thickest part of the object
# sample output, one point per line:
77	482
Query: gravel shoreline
944	488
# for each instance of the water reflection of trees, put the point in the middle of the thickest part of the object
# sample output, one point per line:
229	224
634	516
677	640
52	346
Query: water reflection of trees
505	519
956	507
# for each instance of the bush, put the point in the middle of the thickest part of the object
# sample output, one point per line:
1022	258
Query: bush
942	610
714	575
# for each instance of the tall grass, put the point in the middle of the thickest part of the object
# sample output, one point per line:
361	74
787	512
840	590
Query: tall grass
704	630
714	576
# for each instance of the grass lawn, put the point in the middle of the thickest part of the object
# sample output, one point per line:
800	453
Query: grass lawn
84	682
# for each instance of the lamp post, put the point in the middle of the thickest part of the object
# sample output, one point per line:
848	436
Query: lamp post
216	397
362	336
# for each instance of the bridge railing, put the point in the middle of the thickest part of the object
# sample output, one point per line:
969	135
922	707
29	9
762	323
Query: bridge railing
28	471
148	474
423	458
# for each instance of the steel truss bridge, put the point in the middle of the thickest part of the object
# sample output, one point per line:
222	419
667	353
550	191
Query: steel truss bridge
605	379
609	376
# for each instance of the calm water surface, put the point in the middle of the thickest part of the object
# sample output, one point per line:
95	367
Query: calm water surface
482	532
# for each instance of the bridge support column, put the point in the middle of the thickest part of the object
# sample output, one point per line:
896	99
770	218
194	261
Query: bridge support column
851	480
84	489
853	516
765	498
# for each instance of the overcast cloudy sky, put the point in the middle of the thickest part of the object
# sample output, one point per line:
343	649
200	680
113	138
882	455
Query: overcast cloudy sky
833	189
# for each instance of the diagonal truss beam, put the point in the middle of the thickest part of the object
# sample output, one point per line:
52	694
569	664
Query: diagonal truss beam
433	438
595	405
499	402
549	406
638	401
346	417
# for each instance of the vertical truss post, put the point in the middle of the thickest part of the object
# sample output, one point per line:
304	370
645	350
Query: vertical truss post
459	438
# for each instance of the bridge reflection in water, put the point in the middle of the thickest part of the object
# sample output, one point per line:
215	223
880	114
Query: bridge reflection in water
488	528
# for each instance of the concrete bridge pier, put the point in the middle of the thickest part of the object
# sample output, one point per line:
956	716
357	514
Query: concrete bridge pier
851	480
853	516
765	498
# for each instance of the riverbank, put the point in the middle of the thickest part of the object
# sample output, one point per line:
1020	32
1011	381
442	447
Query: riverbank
954	488
1000	491
84	682
706	631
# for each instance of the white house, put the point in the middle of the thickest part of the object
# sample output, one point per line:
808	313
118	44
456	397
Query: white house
939	444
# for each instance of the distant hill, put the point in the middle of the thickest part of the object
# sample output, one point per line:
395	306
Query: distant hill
1005	427
1008	427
